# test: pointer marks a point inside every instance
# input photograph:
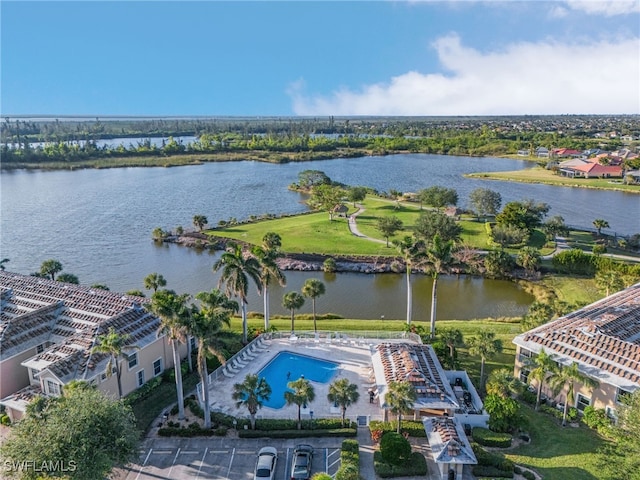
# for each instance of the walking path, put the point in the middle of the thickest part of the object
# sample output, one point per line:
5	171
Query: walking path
353	227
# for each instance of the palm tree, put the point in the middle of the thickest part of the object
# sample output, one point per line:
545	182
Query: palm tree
502	383
599	223
485	345
539	366
609	280
302	394
312	289
562	377
400	398
452	338
153	281
438	258
292	301
269	270
50	268
114	345
236	271
411	251
529	259
174	315
207	327
343	393
199	221
2	262
252	393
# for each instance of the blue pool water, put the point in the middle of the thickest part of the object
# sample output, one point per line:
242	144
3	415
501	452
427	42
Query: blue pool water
286	367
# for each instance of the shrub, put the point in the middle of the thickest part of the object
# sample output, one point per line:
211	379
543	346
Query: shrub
395	449
572	414
351	446
488	438
489	459
329	265
144	391
349	461
528	397
413	427
528	475
595	418
322	476
193	430
338	432
5	420
415	466
483	471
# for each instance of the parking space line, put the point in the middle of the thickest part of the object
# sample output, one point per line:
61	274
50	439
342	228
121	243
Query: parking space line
144	463
174	462
202	462
218	451
286	465
190	452
163	452
233	453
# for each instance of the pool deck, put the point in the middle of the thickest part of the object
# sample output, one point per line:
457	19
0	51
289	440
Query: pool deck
354	358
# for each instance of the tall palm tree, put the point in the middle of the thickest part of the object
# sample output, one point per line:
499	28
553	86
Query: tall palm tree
485	346
562	377
206	326
174	315
502	383
438	258
452	338
115	345
400	398
292	301
412	251
252	393
237	269
312	289
153	281
600	223
269	270
302	394
50	268
539	366
343	393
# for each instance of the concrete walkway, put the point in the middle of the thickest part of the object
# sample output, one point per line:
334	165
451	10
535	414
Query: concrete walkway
353	227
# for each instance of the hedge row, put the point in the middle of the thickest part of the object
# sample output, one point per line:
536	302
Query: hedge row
337	432
416	465
270	424
414	428
489	459
349	461
193	430
492	472
488	438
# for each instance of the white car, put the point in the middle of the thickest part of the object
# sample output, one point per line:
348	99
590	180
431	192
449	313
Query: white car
266	464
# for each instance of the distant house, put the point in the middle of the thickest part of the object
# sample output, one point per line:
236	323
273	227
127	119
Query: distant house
565	153
588	168
340	209
632	177
542	152
47	333
603	338
524	153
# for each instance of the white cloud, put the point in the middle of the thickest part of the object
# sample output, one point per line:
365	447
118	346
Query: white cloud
558	12
607	8
549	77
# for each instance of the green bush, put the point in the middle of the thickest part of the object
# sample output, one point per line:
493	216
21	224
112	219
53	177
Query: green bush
572	414
144	391
415	466
486	437
485	471
413	427
285	424
348	472
339	432
349	461
351	446
395	449
193	430
489	459
528	397
5	420
554	412
595	418
528	475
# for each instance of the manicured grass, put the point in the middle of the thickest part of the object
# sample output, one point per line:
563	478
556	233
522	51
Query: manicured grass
314	233
541	175
147	410
558	453
573	289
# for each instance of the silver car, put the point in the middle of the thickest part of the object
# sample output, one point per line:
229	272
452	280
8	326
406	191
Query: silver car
301	463
266	464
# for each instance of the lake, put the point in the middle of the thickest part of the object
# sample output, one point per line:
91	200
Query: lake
98	223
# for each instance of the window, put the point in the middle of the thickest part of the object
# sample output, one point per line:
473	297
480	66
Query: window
141	378
524	355
40	348
582	402
133	360
33	374
621	393
157	367
524	375
53	388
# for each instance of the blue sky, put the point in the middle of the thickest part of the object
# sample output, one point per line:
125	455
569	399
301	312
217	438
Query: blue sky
266	58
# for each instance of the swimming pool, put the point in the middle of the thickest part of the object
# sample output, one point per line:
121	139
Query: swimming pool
286	367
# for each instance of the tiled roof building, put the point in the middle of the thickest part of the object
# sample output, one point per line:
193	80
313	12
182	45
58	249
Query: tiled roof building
48	330
603	338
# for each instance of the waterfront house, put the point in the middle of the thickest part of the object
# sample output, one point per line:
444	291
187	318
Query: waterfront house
47	333
603	338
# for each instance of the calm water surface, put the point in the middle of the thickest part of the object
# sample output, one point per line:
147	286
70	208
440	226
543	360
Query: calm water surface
98	223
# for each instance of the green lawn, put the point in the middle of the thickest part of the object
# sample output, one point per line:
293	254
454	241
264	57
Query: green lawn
558	453
573	289
541	175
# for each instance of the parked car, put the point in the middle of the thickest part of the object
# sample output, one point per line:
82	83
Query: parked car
301	463
266	464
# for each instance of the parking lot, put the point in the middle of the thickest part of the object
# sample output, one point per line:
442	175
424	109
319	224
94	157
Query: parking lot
224	458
